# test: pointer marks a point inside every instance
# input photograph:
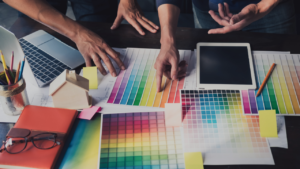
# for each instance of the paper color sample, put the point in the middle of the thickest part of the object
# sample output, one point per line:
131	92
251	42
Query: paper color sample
173	114
193	160
89	112
140	140
84	146
214	124
136	86
91	74
268	123
282	91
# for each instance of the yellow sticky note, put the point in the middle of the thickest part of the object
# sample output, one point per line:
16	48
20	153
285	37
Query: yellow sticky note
267	123
193	160
91	74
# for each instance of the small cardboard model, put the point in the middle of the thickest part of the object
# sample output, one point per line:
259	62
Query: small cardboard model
70	91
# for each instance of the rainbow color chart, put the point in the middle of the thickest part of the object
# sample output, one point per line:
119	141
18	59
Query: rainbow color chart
137	84
214	124
140	141
282	91
83	149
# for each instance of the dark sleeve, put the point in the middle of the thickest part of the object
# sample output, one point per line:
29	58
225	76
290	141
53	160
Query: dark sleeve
174	2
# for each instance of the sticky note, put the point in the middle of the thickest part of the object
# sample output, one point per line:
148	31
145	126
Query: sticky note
173	114
89	112
91	74
268	123
193	160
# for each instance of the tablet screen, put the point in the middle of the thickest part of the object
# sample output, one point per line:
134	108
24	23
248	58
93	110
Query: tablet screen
224	65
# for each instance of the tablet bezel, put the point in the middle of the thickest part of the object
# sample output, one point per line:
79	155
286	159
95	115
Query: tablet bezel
226	86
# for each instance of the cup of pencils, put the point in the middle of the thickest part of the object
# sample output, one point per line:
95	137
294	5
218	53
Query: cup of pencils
13	96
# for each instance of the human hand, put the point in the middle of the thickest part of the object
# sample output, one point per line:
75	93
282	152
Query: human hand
248	14
130	10
93	47
167	64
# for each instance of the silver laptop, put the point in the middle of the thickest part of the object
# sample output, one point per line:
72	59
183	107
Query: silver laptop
46	56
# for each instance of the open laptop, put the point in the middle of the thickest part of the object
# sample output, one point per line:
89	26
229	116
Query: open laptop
46	56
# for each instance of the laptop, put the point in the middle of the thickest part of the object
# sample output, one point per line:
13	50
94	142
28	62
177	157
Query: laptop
46	56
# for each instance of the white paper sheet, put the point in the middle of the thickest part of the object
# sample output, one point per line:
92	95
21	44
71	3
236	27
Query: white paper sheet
281	141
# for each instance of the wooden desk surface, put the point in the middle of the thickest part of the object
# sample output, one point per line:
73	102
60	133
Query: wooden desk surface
186	38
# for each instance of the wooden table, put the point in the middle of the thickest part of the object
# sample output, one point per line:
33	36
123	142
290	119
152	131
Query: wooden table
186	38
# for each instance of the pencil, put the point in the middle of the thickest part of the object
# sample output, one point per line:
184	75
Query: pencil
266	79
17	73
9	77
21	69
12	61
4	64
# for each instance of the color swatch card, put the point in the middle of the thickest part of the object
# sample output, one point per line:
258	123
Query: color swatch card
140	141
282	91
136	86
82	151
214	124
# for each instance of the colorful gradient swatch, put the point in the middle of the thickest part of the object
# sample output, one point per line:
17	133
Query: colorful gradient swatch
136	86
83	150
282	91
214	124
140	141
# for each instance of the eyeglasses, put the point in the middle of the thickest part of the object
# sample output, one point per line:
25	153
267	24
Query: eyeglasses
17	139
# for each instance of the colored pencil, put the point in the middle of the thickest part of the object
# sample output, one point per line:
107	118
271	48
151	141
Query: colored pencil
21	70
266	79
17	73
12	61
9	77
4	64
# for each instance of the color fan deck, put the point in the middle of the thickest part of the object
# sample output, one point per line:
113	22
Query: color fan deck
137	84
282	91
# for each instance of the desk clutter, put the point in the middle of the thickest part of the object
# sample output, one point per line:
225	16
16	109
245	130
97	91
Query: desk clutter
136	128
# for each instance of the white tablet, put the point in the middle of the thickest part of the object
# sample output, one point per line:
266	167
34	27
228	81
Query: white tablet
225	66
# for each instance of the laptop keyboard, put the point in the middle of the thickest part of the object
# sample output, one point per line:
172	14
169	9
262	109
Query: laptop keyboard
44	67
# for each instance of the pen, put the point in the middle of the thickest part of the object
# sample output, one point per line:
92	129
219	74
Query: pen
266	79
12	61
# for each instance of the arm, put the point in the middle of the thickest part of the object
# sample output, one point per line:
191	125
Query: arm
89	44
168	58
249	14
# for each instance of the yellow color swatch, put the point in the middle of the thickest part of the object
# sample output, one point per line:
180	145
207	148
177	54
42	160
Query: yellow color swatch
91	74
267	123
193	160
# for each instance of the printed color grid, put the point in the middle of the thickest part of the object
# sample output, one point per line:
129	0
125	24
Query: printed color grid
137	84
82	151
214	124
282	91
140	141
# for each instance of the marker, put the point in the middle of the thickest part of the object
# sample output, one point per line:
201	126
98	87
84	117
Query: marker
17	73
4	64
266	79
21	70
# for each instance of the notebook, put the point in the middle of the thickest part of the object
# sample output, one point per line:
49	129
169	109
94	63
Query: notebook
44	119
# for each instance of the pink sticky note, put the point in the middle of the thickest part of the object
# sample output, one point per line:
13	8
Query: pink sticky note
89	113
173	114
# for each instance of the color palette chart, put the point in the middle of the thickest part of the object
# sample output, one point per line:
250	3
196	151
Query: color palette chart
136	86
282	91
140	141
83	149
214	124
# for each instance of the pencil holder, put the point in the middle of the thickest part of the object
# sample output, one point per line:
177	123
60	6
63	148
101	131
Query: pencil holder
13	98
